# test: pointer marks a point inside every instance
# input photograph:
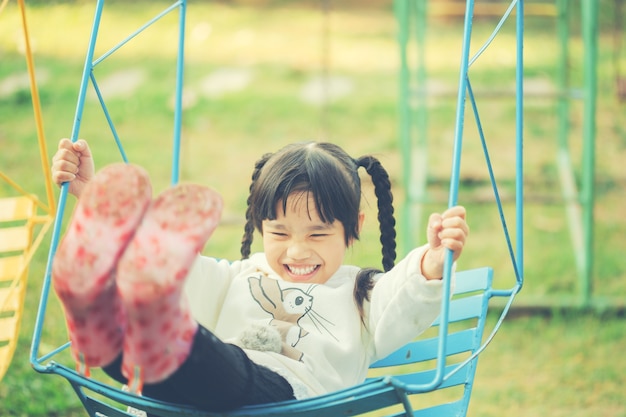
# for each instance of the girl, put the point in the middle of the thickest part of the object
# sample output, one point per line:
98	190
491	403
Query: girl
289	323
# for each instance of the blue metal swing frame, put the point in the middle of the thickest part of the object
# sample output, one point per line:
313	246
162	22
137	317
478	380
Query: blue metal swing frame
451	356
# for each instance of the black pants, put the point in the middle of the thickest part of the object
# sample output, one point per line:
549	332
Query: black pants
216	376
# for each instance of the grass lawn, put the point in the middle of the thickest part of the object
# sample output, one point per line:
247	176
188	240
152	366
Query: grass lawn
250	81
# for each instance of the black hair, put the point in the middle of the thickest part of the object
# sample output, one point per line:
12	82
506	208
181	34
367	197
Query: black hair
328	174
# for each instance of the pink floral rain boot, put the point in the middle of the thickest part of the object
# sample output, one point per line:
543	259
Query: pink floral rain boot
83	271
151	274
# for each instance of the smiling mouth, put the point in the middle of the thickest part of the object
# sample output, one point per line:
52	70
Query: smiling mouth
302	270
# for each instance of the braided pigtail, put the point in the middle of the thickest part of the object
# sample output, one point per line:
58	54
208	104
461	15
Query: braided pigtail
386	219
382	188
248	235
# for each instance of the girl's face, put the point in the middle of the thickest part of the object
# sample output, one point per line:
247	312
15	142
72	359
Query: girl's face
299	246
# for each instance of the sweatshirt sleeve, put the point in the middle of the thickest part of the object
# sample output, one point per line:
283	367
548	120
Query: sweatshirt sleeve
403	304
206	286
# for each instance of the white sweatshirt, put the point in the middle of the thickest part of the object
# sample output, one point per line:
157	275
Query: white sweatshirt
325	346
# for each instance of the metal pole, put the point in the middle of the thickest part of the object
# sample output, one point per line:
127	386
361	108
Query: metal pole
589	12
419	158
562	73
178	107
401	9
519	142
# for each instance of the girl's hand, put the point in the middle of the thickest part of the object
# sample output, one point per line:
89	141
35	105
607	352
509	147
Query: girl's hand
73	163
448	230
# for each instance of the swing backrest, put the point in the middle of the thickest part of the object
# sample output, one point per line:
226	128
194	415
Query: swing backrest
16	236
395	386
414	364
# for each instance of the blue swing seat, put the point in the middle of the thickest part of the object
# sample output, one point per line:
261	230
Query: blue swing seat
405	384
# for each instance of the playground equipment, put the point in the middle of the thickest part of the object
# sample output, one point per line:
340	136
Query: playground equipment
444	361
24	221
577	194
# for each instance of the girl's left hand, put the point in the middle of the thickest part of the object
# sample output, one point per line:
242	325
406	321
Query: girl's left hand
447	230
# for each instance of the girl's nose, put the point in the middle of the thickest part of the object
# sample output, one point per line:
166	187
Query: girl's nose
298	251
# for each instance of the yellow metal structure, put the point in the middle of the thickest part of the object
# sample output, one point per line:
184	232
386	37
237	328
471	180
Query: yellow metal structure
24	221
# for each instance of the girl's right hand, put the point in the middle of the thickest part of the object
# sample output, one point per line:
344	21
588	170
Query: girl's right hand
73	163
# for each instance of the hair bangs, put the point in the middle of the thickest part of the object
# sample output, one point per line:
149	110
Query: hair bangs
305	171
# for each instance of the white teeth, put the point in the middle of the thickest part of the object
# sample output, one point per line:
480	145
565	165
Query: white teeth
302	270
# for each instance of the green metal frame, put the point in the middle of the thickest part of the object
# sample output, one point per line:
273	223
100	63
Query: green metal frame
579	202
578	196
